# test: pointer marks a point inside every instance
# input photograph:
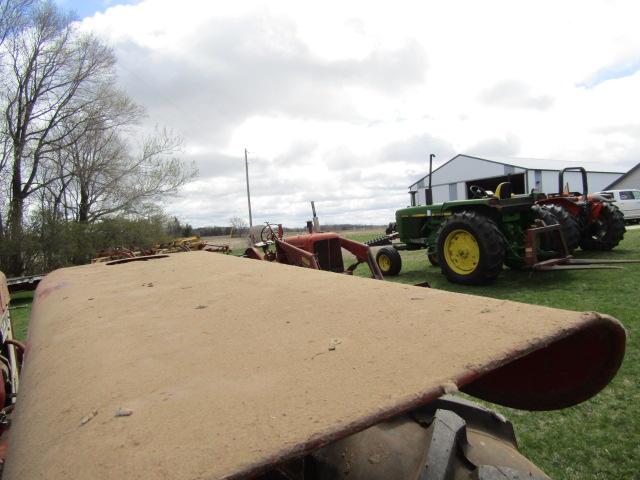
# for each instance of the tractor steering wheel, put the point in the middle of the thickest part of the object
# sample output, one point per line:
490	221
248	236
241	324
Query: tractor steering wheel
267	234
478	192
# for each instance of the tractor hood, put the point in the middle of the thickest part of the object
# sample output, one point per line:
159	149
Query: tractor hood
206	366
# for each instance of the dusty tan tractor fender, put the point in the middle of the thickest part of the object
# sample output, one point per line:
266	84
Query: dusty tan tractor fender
227	367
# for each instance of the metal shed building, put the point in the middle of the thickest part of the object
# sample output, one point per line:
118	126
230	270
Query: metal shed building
451	180
631	179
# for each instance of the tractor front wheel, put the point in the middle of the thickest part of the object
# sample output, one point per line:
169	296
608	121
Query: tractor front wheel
470	249
389	261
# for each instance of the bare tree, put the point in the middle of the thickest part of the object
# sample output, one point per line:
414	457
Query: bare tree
52	74
238	225
13	16
93	154
107	178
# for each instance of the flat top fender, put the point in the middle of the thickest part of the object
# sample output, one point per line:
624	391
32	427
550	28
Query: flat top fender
229	366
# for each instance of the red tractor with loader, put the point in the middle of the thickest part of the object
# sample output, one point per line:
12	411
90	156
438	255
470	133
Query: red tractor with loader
315	250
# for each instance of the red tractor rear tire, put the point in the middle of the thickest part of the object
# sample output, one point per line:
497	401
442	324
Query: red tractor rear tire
606	231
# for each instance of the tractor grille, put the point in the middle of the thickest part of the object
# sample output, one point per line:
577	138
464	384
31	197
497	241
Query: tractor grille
329	255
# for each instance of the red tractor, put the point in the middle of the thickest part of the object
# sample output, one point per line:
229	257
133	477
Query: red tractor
588	220
319	251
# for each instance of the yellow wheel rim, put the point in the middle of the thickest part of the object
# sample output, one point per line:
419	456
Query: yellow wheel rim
461	252
384	263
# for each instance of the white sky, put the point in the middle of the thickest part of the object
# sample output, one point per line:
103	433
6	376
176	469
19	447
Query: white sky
342	102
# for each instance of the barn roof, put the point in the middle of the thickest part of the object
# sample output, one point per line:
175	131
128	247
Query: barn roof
625	175
539	164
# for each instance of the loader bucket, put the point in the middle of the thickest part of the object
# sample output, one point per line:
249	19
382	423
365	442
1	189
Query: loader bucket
228	367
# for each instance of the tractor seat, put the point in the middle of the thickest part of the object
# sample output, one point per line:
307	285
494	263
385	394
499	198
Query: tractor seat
504	191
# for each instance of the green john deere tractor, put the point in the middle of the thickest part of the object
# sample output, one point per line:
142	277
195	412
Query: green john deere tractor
472	239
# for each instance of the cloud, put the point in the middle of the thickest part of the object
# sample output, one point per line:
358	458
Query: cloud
417	149
630	129
514	94
299	153
509	146
236	68
214	164
342	102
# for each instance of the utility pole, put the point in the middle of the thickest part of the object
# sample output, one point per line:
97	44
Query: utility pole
429	193
246	169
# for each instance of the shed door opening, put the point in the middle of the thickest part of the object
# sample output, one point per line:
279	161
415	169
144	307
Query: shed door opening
517	183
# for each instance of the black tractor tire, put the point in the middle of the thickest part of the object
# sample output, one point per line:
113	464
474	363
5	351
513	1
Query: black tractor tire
606	232
569	223
449	439
473	266
389	261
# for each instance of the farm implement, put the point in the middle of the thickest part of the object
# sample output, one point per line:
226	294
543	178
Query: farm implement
185	244
315	250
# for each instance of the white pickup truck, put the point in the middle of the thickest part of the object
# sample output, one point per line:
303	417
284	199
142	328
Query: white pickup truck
628	201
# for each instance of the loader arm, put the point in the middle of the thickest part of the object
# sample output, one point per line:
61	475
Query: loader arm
292	255
362	252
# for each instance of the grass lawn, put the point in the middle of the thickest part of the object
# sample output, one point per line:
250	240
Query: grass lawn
20	311
600	438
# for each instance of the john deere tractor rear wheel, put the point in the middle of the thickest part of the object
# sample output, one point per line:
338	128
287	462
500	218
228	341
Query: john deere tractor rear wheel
470	249
606	232
389	261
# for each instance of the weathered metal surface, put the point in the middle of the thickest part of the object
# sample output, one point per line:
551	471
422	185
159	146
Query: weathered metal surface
229	366
4	293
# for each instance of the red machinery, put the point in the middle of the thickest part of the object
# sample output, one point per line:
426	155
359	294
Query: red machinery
320	251
594	222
